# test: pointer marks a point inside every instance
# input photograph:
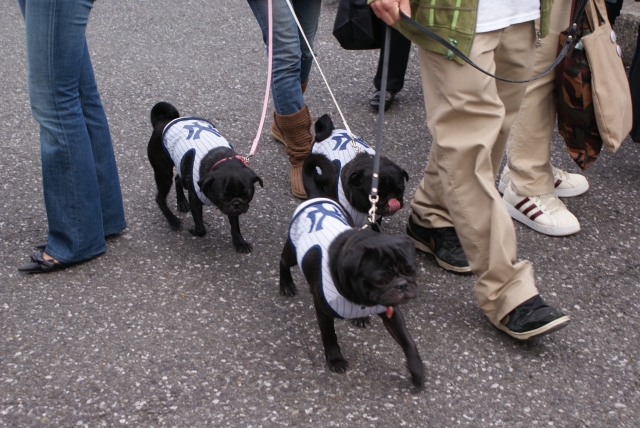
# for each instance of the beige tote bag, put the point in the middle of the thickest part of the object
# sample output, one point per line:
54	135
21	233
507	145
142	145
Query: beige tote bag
610	87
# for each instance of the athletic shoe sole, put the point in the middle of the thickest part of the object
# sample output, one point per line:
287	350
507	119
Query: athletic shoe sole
547	230
561	193
567	193
457	269
554	325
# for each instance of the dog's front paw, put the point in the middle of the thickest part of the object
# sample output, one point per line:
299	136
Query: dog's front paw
243	247
338	364
198	233
183	206
288	289
361	322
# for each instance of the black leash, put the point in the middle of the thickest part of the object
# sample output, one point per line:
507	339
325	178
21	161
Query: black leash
570	38
373	197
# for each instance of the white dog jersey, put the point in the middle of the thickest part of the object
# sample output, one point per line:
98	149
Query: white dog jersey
184	134
316	223
338	149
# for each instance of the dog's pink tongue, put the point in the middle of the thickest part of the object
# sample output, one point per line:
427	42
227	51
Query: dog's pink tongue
394	205
389	311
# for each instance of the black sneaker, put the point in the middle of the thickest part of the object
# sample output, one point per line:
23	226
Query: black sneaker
533	318
443	243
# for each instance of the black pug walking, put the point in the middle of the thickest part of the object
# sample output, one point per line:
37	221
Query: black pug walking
208	167
351	273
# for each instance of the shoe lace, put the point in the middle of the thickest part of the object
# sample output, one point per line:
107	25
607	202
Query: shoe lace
559	174
450	237
549	204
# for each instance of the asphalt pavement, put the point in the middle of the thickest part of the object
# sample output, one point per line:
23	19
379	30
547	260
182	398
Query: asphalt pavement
166	329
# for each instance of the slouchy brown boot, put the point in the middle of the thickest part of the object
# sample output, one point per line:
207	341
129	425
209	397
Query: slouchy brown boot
275	131
296	134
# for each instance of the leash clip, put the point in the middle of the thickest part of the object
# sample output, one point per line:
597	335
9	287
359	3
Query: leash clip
355	146
372	210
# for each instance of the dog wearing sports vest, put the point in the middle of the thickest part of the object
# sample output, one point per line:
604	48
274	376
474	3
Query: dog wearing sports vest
207	166
355	171
351	273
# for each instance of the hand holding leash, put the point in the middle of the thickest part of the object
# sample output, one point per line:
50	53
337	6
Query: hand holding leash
389	10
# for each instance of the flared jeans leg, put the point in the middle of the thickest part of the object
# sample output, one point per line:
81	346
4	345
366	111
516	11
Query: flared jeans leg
80	180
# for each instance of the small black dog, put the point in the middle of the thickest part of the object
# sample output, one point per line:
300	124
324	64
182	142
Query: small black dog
208	167
355	171
351	273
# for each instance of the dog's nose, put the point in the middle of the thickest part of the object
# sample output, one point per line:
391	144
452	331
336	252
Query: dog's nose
402	285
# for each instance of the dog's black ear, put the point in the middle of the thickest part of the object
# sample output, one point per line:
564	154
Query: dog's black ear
405	174
206	182
259	180
323	127
355	178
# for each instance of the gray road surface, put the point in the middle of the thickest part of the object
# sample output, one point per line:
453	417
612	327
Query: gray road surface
170	330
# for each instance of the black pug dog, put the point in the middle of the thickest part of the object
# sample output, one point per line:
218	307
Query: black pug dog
355	171
208	167
351	273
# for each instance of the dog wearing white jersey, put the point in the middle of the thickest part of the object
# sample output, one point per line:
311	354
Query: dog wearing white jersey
207	166
354	162
351	273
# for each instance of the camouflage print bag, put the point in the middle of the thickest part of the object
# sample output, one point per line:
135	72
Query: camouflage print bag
593	105
576	118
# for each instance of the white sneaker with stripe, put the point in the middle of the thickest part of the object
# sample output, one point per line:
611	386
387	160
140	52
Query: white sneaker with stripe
566	184
545	214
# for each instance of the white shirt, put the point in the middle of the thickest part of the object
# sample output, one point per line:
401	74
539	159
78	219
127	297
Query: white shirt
192	133
338	149
316	223
498	14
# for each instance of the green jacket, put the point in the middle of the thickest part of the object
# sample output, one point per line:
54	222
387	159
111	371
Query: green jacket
455	21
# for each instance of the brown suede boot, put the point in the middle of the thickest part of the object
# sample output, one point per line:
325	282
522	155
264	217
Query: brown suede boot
277	132
296	134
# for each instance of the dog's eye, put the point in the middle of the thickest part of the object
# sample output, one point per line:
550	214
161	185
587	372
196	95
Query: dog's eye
385	278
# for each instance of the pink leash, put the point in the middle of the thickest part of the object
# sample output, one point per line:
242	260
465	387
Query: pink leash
256	140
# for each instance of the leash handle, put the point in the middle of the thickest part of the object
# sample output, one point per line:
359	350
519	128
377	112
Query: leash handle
570	38
256	140
373	198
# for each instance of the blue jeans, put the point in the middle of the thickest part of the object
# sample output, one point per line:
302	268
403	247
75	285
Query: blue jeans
292	59
79	175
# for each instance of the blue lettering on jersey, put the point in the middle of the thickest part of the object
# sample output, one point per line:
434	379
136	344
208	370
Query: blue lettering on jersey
323	212
342	140
195	129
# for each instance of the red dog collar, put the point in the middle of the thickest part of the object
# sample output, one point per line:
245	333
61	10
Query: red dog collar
242	159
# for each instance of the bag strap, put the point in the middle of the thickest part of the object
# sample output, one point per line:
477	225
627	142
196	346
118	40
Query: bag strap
597	15
573	29
574	4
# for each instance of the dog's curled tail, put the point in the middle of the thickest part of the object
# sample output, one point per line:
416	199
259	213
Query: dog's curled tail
163	111
319	176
